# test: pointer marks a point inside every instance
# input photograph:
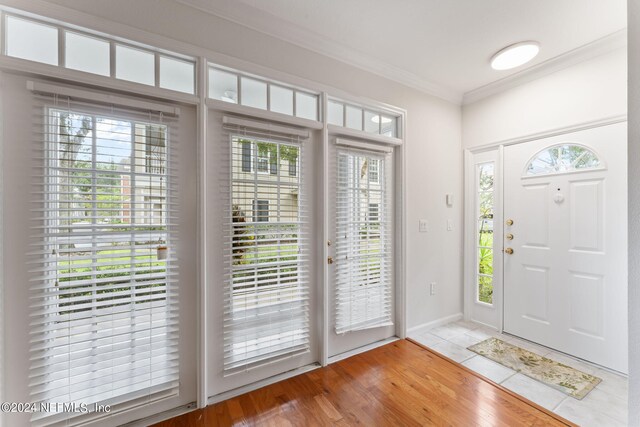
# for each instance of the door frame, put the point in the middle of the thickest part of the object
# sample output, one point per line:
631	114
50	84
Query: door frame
472	310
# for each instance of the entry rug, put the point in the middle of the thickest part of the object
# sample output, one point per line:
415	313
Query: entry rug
568	380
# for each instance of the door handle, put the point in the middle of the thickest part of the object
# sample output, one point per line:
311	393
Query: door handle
508	251
509	236
329	260
509	222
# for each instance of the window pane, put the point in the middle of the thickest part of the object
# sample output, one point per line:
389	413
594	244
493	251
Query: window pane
106	226
177	75
485	261
306	106
485	212
135	65
563	158
223	85
335	115
265	293
288	163
87	54
485	289
31	40
485	232
389	126
354	117
363	247
281	100
486	177
267	158
371	122
485	199
254	93
374	174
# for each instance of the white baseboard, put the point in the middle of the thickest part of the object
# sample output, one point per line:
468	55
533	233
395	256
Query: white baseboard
262	383
486	325
362	349
433	324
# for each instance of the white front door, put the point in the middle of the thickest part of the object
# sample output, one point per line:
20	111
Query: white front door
565	211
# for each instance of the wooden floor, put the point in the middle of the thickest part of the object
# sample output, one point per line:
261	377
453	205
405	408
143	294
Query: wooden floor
399	384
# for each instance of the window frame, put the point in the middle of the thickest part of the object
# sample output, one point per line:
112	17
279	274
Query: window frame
374	173
260	210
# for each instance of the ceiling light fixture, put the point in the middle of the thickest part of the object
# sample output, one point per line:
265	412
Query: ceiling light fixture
385	120
230	96
515	55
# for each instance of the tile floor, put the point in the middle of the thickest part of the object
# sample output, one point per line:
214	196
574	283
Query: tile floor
605	406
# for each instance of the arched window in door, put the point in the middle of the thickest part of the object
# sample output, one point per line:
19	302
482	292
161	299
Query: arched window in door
563	158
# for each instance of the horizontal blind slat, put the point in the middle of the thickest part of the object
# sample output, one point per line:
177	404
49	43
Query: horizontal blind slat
103	302
363	250
266	301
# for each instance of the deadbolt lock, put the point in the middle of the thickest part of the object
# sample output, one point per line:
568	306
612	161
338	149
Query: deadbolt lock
509	222
508	251
329	260
509	236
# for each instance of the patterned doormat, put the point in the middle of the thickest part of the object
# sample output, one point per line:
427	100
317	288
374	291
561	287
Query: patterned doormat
568	380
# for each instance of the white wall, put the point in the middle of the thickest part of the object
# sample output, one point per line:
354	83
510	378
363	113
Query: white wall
434	154
590	90
634	212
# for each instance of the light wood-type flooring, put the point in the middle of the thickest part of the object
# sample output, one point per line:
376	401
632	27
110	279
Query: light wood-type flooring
398	384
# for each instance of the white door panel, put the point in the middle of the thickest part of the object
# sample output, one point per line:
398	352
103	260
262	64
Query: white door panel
565	283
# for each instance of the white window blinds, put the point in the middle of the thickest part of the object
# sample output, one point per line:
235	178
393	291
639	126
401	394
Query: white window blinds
104	298
266	314
363	264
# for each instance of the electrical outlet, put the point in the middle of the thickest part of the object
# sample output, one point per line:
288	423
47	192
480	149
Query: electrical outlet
432	288
423	226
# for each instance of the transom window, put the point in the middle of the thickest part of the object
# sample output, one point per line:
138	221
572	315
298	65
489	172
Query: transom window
40	41
355	117
234	87
563	158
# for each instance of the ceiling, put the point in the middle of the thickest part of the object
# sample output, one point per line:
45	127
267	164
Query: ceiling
441	46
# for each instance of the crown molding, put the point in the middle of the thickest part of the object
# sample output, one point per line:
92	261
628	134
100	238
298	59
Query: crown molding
276	27
583	53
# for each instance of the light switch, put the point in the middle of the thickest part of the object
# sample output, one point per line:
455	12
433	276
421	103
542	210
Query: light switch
424	226
449	224
449	200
